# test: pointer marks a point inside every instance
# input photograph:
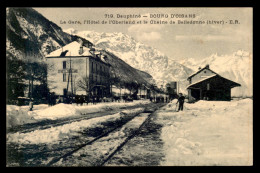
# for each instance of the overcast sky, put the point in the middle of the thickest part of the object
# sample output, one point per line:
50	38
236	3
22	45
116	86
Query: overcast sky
176	41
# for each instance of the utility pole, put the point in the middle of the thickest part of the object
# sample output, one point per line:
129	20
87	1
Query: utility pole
70	80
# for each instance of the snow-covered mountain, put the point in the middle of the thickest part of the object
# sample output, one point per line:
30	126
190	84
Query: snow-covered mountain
139	56
237	67
28	33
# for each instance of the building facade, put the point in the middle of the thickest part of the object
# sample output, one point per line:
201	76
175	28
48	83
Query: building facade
206	84
78	70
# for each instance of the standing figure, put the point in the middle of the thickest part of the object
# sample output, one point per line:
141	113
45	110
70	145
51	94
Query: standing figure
82	99
87	99
30	105
49	99
181	102
93	100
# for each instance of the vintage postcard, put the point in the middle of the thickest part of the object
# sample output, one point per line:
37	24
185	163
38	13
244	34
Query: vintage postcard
129	86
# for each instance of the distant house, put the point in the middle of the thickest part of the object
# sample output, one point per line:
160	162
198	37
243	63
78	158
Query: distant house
76	69
206	84
144	92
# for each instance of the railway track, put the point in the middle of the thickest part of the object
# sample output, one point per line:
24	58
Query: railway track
102	148
45	124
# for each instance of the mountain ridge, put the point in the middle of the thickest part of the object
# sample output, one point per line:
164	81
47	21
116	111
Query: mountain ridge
30	33
163	69
139	56
237	67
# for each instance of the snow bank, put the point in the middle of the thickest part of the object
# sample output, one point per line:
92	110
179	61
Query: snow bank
208	133
59	133
65	110
55	112
18	115
15	115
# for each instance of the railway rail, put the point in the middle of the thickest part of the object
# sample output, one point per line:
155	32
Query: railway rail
146	114
89	147
59	122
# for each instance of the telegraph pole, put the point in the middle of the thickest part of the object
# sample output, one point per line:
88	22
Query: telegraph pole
70	82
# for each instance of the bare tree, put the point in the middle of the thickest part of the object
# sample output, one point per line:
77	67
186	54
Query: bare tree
83	83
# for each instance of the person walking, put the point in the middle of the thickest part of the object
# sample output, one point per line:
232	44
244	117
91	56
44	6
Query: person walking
181	102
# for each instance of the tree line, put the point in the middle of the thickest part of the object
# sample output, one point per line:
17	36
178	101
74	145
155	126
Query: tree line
25	74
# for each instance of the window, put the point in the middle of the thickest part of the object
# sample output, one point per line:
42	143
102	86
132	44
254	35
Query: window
208	86
205	71
64	64
64	77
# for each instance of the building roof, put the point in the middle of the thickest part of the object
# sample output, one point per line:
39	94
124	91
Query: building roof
232	84
206	67
206	78
71	49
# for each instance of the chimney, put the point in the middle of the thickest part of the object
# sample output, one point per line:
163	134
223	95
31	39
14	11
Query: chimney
92	51
207	66
81	50
81	47
99	56
199	68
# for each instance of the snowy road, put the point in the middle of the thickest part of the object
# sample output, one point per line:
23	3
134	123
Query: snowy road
81	141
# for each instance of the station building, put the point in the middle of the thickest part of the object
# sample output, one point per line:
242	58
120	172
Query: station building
76	69
205	84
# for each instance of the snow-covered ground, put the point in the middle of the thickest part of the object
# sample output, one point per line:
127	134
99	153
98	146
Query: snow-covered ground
207	133
18	115
101	149
59	133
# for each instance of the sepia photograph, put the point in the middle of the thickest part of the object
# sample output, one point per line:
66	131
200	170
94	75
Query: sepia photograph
125	87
